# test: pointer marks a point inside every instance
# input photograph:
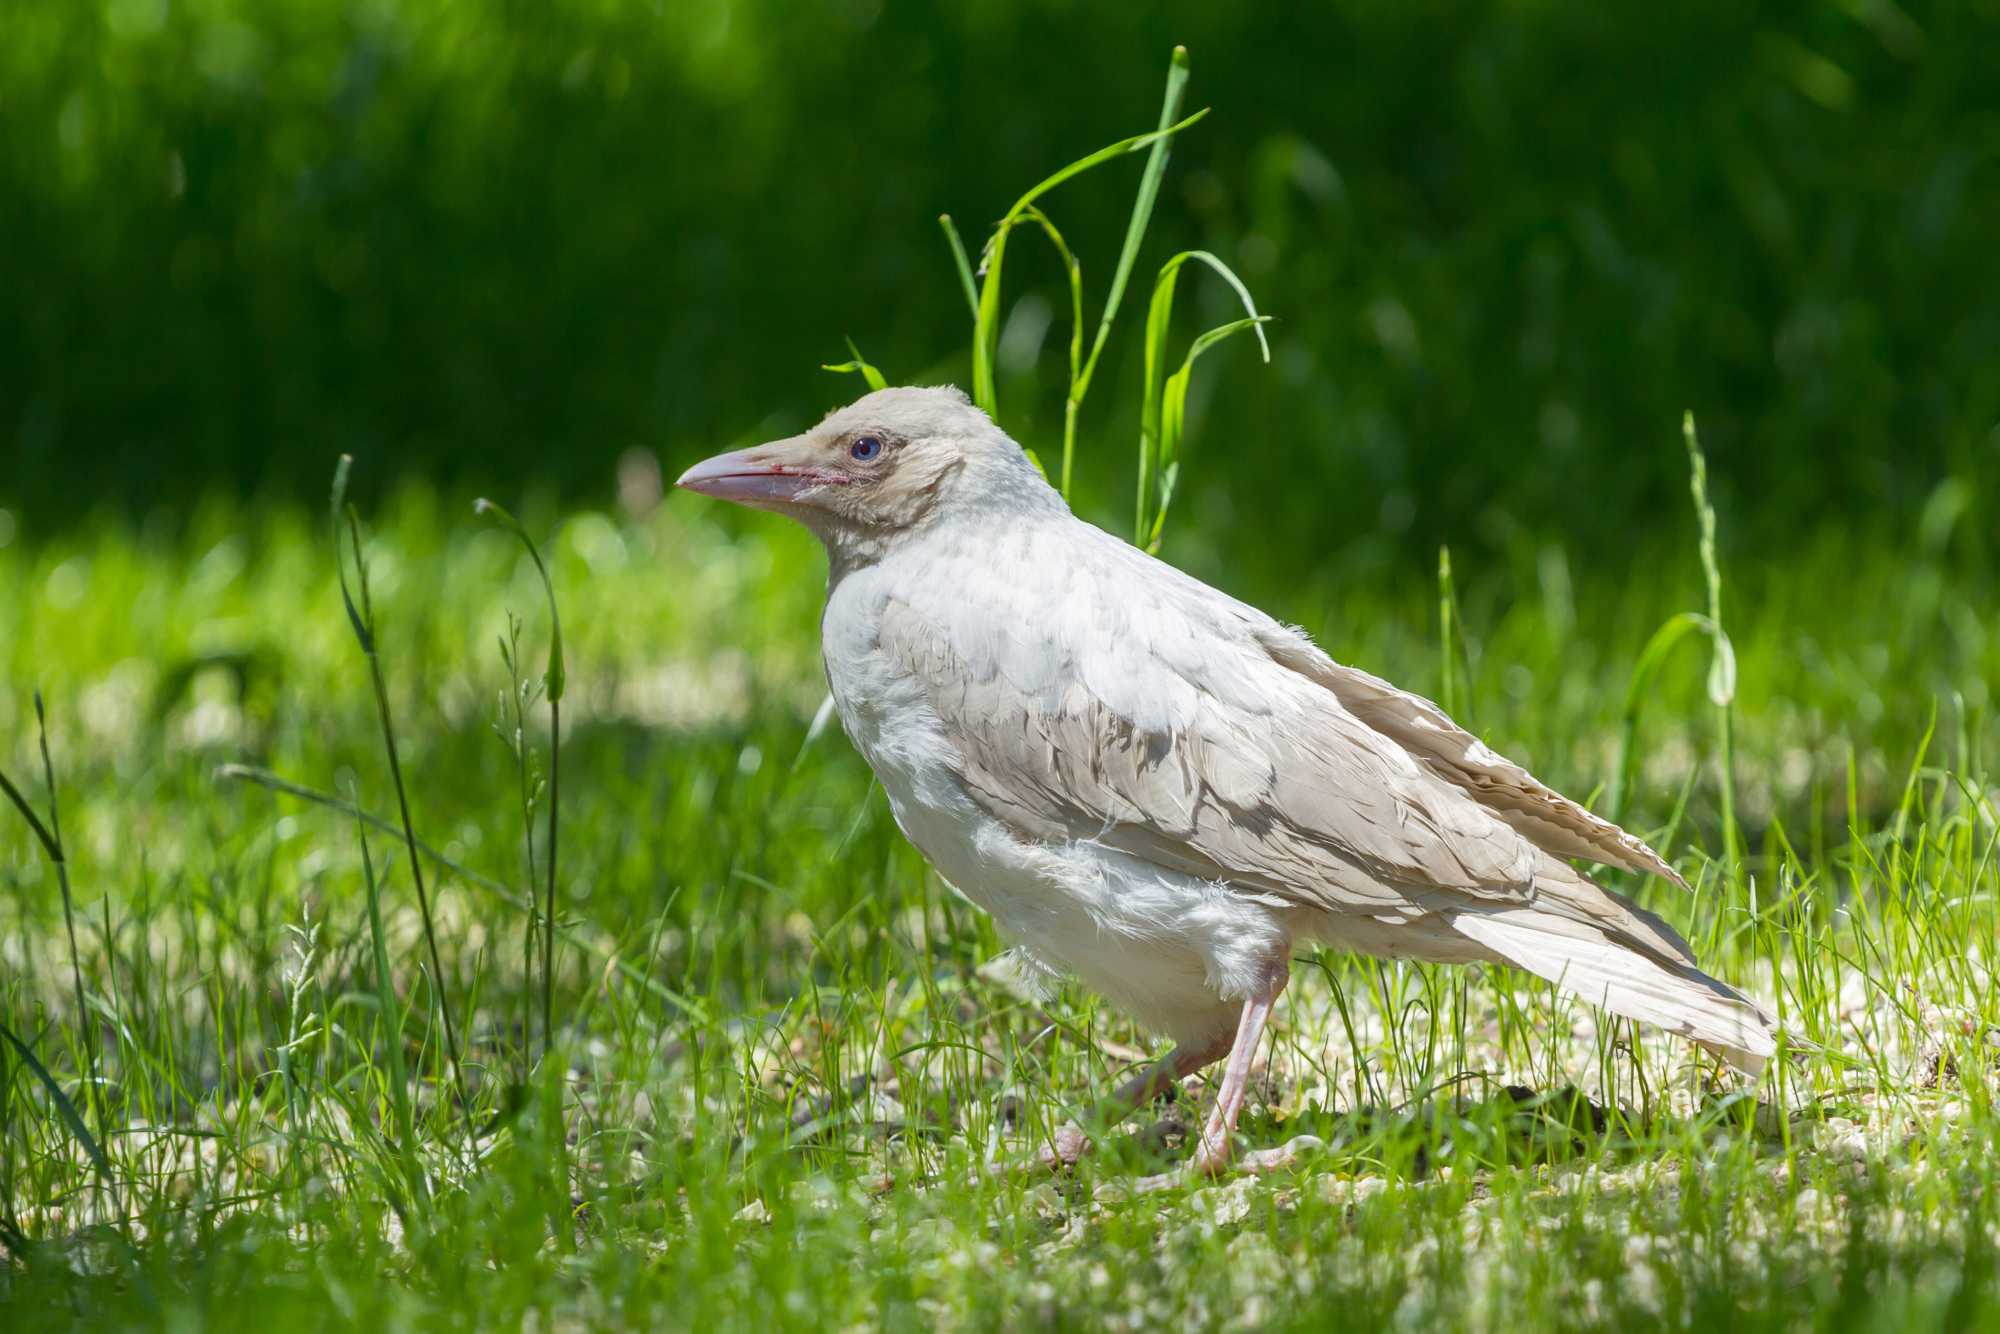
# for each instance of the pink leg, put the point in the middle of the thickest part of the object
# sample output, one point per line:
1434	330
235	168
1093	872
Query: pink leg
1216	1149
1070	1144
1162	1075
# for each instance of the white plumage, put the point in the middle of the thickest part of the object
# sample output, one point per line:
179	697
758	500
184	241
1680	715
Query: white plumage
1161	790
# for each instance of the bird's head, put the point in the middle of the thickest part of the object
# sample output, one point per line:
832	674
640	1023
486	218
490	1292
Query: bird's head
881	469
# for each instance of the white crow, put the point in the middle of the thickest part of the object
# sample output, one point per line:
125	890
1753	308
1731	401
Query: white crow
1164	791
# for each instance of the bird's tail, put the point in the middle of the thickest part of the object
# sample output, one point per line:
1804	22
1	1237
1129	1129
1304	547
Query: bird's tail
1638	984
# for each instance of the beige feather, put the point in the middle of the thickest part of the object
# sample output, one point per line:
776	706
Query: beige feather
1316	808
1680	999
1538	812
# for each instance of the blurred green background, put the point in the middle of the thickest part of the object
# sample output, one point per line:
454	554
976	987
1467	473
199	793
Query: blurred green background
1506	244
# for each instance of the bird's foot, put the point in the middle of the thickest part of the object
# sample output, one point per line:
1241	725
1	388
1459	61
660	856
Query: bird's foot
1211	1158
1066	1148
1283	1156
1204	1168
1060	1152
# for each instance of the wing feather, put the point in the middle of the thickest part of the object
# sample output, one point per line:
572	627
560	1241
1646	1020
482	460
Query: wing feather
1304	801
1538	812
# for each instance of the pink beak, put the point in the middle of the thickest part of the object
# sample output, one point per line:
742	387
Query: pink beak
751	476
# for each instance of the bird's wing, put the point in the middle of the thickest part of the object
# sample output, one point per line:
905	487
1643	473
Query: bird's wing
1120	701
1538	812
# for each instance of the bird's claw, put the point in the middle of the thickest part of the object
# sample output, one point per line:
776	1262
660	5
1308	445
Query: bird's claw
1061	1151
1283	1156
1206	1166
1067	1147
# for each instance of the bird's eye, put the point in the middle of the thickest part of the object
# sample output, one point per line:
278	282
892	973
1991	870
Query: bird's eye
867	447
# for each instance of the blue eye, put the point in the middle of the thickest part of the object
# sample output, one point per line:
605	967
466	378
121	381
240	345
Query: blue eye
867	447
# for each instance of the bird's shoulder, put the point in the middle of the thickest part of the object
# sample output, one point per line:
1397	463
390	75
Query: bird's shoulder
1052	605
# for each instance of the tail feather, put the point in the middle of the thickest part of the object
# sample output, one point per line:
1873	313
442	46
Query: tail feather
1602	970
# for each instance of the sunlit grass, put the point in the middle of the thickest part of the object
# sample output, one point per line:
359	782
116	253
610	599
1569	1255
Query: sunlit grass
781	1050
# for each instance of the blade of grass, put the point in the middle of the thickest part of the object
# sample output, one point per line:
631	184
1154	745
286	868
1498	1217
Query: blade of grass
1173	417
64	1107
1447	682
964	267
1128	255
265	778
1077	384
1142	206
1162	410
35	824
1452	646
869	373
505	894
390	1014
821	717
364	628
1722	671
986	341
519	699
552	683
50	837
1722	666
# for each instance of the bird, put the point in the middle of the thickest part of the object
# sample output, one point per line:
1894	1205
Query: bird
1162	791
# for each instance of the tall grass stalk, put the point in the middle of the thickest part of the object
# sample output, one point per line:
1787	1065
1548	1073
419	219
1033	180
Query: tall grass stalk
859	365
1720	683
552	686
984	296
390	1014
1722	665
1163	411
519	699
1451	646
306	941
50	838
362	620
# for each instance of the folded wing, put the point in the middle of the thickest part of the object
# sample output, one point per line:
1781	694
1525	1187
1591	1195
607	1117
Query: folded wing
1422	729
1303	801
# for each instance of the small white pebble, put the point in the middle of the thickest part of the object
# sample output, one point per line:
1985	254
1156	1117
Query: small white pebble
1642	1287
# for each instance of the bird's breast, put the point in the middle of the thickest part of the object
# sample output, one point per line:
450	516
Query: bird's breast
886	714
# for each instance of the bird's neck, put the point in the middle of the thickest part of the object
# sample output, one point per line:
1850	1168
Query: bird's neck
974	516
852	547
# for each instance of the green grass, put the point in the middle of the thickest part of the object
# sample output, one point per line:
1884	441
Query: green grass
780	1052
